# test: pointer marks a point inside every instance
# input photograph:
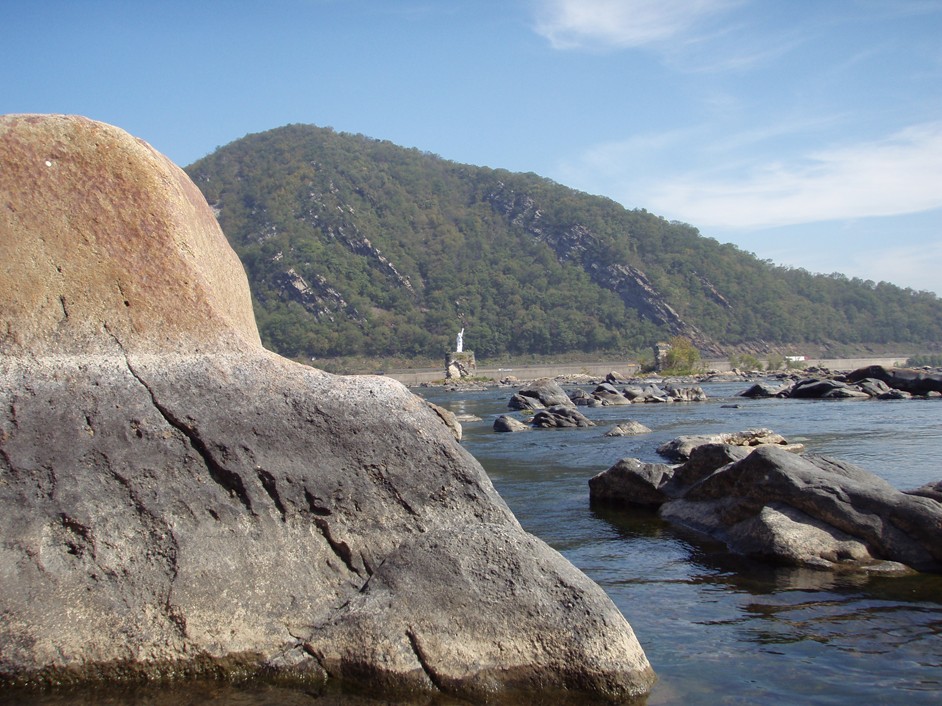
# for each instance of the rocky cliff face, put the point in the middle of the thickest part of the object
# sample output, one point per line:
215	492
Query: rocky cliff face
175	500
577	244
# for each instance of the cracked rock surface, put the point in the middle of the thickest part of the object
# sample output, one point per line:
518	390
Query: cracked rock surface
175	500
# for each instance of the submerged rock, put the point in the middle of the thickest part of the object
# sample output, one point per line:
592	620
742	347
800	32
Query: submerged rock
175	499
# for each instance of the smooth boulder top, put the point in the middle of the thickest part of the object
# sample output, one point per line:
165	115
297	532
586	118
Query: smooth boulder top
105	244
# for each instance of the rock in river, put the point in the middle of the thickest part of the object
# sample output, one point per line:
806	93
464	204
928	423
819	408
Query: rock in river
540	394
775	505
174	498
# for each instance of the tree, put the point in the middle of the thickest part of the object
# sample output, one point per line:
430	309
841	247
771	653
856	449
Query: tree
683	358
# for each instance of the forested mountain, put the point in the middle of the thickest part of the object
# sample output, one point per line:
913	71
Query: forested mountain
355	246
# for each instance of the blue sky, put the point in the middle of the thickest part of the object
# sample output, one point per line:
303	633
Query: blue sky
806	131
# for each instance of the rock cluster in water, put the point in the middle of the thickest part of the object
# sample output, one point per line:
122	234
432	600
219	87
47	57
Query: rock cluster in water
174	499
555	408
772	504
872	382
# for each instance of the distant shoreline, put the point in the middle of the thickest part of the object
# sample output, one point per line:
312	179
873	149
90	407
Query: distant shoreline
626	369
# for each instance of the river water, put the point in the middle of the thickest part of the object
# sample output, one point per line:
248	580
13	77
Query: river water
719	629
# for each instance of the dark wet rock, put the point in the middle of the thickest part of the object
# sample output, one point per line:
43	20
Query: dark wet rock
686	394
916	382
813	388
581	398
522	402
632	482
764	389
873	387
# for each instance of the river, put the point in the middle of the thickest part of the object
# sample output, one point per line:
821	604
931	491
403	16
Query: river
719	629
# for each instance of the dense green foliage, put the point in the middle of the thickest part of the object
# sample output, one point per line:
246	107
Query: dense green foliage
933	360
355	246
682	358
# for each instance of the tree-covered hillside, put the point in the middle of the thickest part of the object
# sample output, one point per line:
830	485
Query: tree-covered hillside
355	246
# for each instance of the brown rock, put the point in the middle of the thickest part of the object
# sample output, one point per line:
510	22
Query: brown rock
103	239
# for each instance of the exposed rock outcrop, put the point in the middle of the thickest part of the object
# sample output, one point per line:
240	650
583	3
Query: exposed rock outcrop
778	506
874	381
539	395
915	382
577	243
679	449
175	498
629	428
559	417
505	423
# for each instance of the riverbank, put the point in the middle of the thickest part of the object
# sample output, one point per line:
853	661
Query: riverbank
625	369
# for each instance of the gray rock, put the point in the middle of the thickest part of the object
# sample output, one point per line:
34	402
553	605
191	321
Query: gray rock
450	419
632	482
606	387
175	499
893	525
929	490
900	395
629	428
680	448
506	423
807	511
522	402
561	417
546	392
610	399
648	393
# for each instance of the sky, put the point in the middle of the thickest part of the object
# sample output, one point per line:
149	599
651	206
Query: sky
808	132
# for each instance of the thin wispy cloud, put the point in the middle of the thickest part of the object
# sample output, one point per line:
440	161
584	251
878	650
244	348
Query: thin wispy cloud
897	175
620	24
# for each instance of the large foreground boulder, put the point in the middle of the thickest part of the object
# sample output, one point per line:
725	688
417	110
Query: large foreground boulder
775	505
175	500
